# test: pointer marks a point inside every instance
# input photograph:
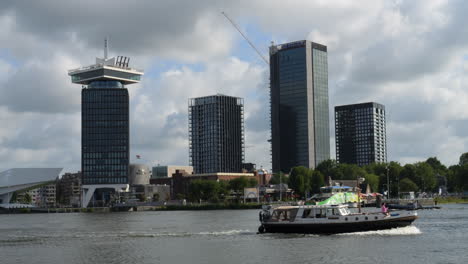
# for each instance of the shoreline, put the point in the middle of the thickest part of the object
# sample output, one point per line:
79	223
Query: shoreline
197	207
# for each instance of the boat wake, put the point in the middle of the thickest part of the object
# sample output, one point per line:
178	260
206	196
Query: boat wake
187	234
401	231
24	238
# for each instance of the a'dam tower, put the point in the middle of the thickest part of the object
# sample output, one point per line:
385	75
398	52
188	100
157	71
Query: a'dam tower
105	128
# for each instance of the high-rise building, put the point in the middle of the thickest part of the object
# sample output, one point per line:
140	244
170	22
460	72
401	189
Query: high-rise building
360	133
216	134
299	105
105	129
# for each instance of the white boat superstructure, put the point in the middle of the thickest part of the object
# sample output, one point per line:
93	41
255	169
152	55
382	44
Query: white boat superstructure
328	219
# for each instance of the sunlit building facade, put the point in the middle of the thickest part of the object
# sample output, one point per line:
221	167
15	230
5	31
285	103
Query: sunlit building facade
299	105
216	134
360	133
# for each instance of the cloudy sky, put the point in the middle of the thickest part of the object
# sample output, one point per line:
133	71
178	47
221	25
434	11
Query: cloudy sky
411	56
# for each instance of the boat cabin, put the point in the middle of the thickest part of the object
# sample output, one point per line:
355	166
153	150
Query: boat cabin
291	213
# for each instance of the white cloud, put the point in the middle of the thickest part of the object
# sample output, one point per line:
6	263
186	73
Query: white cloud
404	54
160	110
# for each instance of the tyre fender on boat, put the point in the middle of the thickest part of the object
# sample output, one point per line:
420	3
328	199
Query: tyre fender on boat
261	229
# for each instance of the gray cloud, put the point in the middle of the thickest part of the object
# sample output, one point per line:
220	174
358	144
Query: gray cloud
35	88
177	29
400	53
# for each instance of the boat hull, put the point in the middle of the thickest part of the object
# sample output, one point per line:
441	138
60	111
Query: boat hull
334	228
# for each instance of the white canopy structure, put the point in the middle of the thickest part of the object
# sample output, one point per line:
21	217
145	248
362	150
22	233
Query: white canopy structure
18	179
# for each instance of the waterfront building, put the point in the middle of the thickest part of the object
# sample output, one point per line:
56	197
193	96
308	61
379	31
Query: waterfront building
300	133
105	143
16	181
139	174
360	133
166	171
69	190
44	196
216	134
180	180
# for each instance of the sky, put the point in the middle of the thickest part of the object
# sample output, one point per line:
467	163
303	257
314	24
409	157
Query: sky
411	56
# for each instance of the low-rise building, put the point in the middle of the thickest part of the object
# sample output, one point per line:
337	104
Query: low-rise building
168	170
180	180
69	190
43	196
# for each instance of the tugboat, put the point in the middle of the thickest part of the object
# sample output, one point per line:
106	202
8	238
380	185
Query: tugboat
328	219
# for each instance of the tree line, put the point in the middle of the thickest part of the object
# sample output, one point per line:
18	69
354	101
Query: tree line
425	176
218	191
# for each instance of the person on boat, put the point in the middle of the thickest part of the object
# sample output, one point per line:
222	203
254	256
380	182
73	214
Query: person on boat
384	209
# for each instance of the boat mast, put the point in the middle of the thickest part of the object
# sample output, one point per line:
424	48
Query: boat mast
280	185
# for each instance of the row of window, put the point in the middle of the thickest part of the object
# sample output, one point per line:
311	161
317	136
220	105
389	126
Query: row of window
104	136
94	155
105	161
107	180
105	130
105	168
105	148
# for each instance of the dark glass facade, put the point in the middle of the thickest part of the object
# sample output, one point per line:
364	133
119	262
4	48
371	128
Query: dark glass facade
216	134
360	134
299	105
105	133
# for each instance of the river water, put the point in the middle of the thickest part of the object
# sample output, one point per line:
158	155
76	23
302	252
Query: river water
224	236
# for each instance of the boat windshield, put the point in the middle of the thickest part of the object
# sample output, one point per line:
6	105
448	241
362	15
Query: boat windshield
344	211
284	214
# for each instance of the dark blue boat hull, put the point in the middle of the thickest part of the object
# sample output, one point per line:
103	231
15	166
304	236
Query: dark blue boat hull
335	228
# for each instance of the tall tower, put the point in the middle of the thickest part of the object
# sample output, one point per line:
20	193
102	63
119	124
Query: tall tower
299	105
105	128
216	133
360	133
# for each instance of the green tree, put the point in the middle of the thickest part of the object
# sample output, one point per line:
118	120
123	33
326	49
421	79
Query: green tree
437	166
207	190
394	174
27	198
252	183
350	171
407	185
223	190
376	168
462	177
463	159
237	185
299	180
425	176
373	181
316	181
275	179
409	171
327	168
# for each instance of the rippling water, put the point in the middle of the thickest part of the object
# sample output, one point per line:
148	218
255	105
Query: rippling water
226	236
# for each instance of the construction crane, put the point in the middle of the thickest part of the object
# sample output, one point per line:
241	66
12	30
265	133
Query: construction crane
245	37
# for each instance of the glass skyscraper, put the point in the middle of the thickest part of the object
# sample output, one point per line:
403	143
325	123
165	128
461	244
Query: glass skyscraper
216	134
299	105
360	133
105	133
105	137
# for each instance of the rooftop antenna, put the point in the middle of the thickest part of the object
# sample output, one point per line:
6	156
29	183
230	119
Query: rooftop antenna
105	48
